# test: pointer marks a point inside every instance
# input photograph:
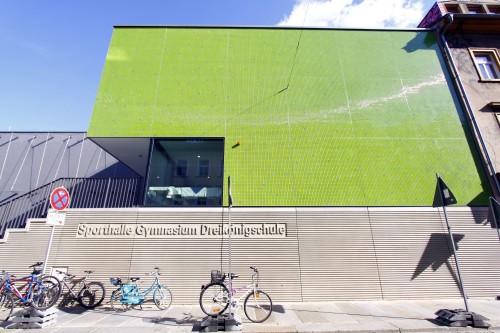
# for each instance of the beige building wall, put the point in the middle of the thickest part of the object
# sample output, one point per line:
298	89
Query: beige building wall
479	93
303	254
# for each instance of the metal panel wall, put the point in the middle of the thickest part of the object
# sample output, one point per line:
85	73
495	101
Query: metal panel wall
327	254
337	259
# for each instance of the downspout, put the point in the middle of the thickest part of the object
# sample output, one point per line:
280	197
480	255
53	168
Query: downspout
465	99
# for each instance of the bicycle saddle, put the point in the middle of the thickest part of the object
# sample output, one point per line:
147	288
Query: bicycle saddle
133	279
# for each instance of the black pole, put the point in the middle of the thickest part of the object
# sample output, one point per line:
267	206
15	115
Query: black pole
462	288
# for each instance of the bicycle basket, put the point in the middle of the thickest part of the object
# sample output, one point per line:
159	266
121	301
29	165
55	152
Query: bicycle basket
115	281
217	276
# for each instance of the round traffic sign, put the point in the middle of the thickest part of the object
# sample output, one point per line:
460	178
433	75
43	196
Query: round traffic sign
59	198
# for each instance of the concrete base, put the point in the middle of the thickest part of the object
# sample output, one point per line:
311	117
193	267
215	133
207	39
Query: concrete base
221	323
32	318
461	318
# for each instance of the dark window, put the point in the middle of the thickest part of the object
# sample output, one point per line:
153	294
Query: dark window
180	173
452	8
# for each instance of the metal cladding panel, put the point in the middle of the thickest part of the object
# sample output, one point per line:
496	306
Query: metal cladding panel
478	251
413	252
325	254
24	247
185	262
337	258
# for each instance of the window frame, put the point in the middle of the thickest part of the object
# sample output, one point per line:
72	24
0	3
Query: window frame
493	55
184	167
207	167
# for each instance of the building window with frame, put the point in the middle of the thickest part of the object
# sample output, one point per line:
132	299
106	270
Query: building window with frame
487	64
203	168
181	168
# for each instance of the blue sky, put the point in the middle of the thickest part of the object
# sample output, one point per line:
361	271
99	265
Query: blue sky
53	51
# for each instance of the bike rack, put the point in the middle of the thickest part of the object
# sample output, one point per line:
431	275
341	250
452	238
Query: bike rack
32	318
224	322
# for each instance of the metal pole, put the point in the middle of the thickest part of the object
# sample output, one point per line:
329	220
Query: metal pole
229	250
462	288
48	248
495	217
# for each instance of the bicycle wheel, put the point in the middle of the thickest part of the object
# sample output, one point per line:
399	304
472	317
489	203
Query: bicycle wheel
115	302
6	306
162	297
91	295
214	299
258	306
46	293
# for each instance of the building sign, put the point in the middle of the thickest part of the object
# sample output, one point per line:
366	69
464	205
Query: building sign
55	217
180	230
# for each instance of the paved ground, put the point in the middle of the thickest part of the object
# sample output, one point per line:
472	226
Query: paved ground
348	316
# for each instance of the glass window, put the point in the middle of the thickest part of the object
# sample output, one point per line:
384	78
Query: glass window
475	9
494	9
487	64
181	168
180	173
453	8
204	168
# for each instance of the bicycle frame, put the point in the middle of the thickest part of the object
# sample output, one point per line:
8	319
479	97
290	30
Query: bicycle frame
250	288
31	280
71	289
136	296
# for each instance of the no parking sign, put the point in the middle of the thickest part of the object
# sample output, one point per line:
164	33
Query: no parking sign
59	200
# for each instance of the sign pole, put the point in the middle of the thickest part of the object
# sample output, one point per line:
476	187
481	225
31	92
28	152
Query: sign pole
462	288
48	248
59	200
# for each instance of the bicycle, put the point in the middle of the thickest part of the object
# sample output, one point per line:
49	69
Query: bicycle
40	292
215	298
6	306
129	295
90	294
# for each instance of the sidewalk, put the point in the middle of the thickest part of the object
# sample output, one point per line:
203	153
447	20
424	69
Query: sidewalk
321	317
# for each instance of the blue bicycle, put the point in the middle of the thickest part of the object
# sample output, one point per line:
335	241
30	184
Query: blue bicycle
129	294
38	291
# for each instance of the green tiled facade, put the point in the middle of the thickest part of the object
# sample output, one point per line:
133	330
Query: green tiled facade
324	117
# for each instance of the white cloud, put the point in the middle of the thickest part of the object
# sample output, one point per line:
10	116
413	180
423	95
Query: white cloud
356	14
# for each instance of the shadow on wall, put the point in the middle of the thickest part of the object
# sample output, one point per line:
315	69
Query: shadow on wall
438	252
429	40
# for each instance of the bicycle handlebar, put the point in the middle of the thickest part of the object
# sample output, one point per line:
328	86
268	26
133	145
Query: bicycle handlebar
156	272
64	273
40	263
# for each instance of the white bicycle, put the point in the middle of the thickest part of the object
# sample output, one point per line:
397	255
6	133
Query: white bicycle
214	297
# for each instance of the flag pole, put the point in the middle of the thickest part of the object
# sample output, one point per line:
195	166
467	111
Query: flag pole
230	204
443	195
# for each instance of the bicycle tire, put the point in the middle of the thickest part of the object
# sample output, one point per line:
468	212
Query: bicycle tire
6	306
91	295
258	306
115	302
46	293
214	299
162	297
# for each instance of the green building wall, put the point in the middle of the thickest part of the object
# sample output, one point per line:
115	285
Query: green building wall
324	117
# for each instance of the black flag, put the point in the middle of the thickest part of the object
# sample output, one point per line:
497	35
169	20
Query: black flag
229	191
494	213
444	196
